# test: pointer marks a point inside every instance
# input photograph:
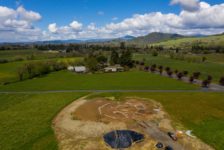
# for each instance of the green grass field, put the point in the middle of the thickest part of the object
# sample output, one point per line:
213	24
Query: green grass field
201	112
24	54
25	120
8	71
65	80
216	70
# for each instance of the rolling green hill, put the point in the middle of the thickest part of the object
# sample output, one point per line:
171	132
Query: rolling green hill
215	40
154	38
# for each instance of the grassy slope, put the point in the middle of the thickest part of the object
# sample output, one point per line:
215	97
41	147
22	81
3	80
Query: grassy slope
211	40
25	120
208	68
65	80
201	112
8	71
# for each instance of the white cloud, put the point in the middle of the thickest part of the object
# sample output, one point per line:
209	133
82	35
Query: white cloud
75	25
6	12
188	5
28	15
52	27
206	17
18	24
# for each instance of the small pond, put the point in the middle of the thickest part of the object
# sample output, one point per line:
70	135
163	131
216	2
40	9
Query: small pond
122	138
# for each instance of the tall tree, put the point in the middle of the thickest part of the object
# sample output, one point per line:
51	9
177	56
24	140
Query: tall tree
114	59
126	58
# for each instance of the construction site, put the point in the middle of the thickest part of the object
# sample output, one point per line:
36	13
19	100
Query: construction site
131	123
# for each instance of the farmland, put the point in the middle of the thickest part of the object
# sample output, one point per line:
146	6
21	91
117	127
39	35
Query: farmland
210	67
8	71
25	119
65	80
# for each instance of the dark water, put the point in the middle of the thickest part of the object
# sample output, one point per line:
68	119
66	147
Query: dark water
122	138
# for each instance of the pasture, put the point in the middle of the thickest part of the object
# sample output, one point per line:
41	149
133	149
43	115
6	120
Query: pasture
132	80
25	119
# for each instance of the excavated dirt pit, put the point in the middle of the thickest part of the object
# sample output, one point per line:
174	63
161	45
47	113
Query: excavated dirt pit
83	124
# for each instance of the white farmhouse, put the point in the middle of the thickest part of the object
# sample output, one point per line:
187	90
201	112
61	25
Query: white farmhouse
80	69
116	68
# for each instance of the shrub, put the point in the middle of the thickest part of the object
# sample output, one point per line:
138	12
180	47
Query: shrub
196	75
176	72
191	79
170	73
221	81
153	68
205	83
180	75
185	73
160	69
146	68
209	78
167	69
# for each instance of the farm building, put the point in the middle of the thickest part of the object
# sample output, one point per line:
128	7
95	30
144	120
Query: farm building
114	69
78	69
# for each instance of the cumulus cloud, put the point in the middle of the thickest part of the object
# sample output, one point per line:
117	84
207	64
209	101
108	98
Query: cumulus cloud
75	25
188	5
28	15
52	28
18	24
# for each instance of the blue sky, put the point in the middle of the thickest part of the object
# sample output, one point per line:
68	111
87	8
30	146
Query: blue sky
107	17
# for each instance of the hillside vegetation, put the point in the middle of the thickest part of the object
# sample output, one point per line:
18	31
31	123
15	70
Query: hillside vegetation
154	38
215	40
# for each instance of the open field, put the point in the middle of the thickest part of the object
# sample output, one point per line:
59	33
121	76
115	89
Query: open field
65	80
216	70
201	112
8	71
25	120
26	54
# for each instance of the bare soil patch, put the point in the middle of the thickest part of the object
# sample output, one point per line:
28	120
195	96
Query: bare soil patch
82	124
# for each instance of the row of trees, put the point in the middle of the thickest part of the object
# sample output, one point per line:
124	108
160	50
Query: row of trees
179	74
35	69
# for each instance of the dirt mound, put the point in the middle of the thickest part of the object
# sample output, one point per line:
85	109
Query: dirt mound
110	111
83	124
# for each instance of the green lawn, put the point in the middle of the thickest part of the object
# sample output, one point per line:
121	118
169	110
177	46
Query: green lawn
65	80
25	120
216	70
201	112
